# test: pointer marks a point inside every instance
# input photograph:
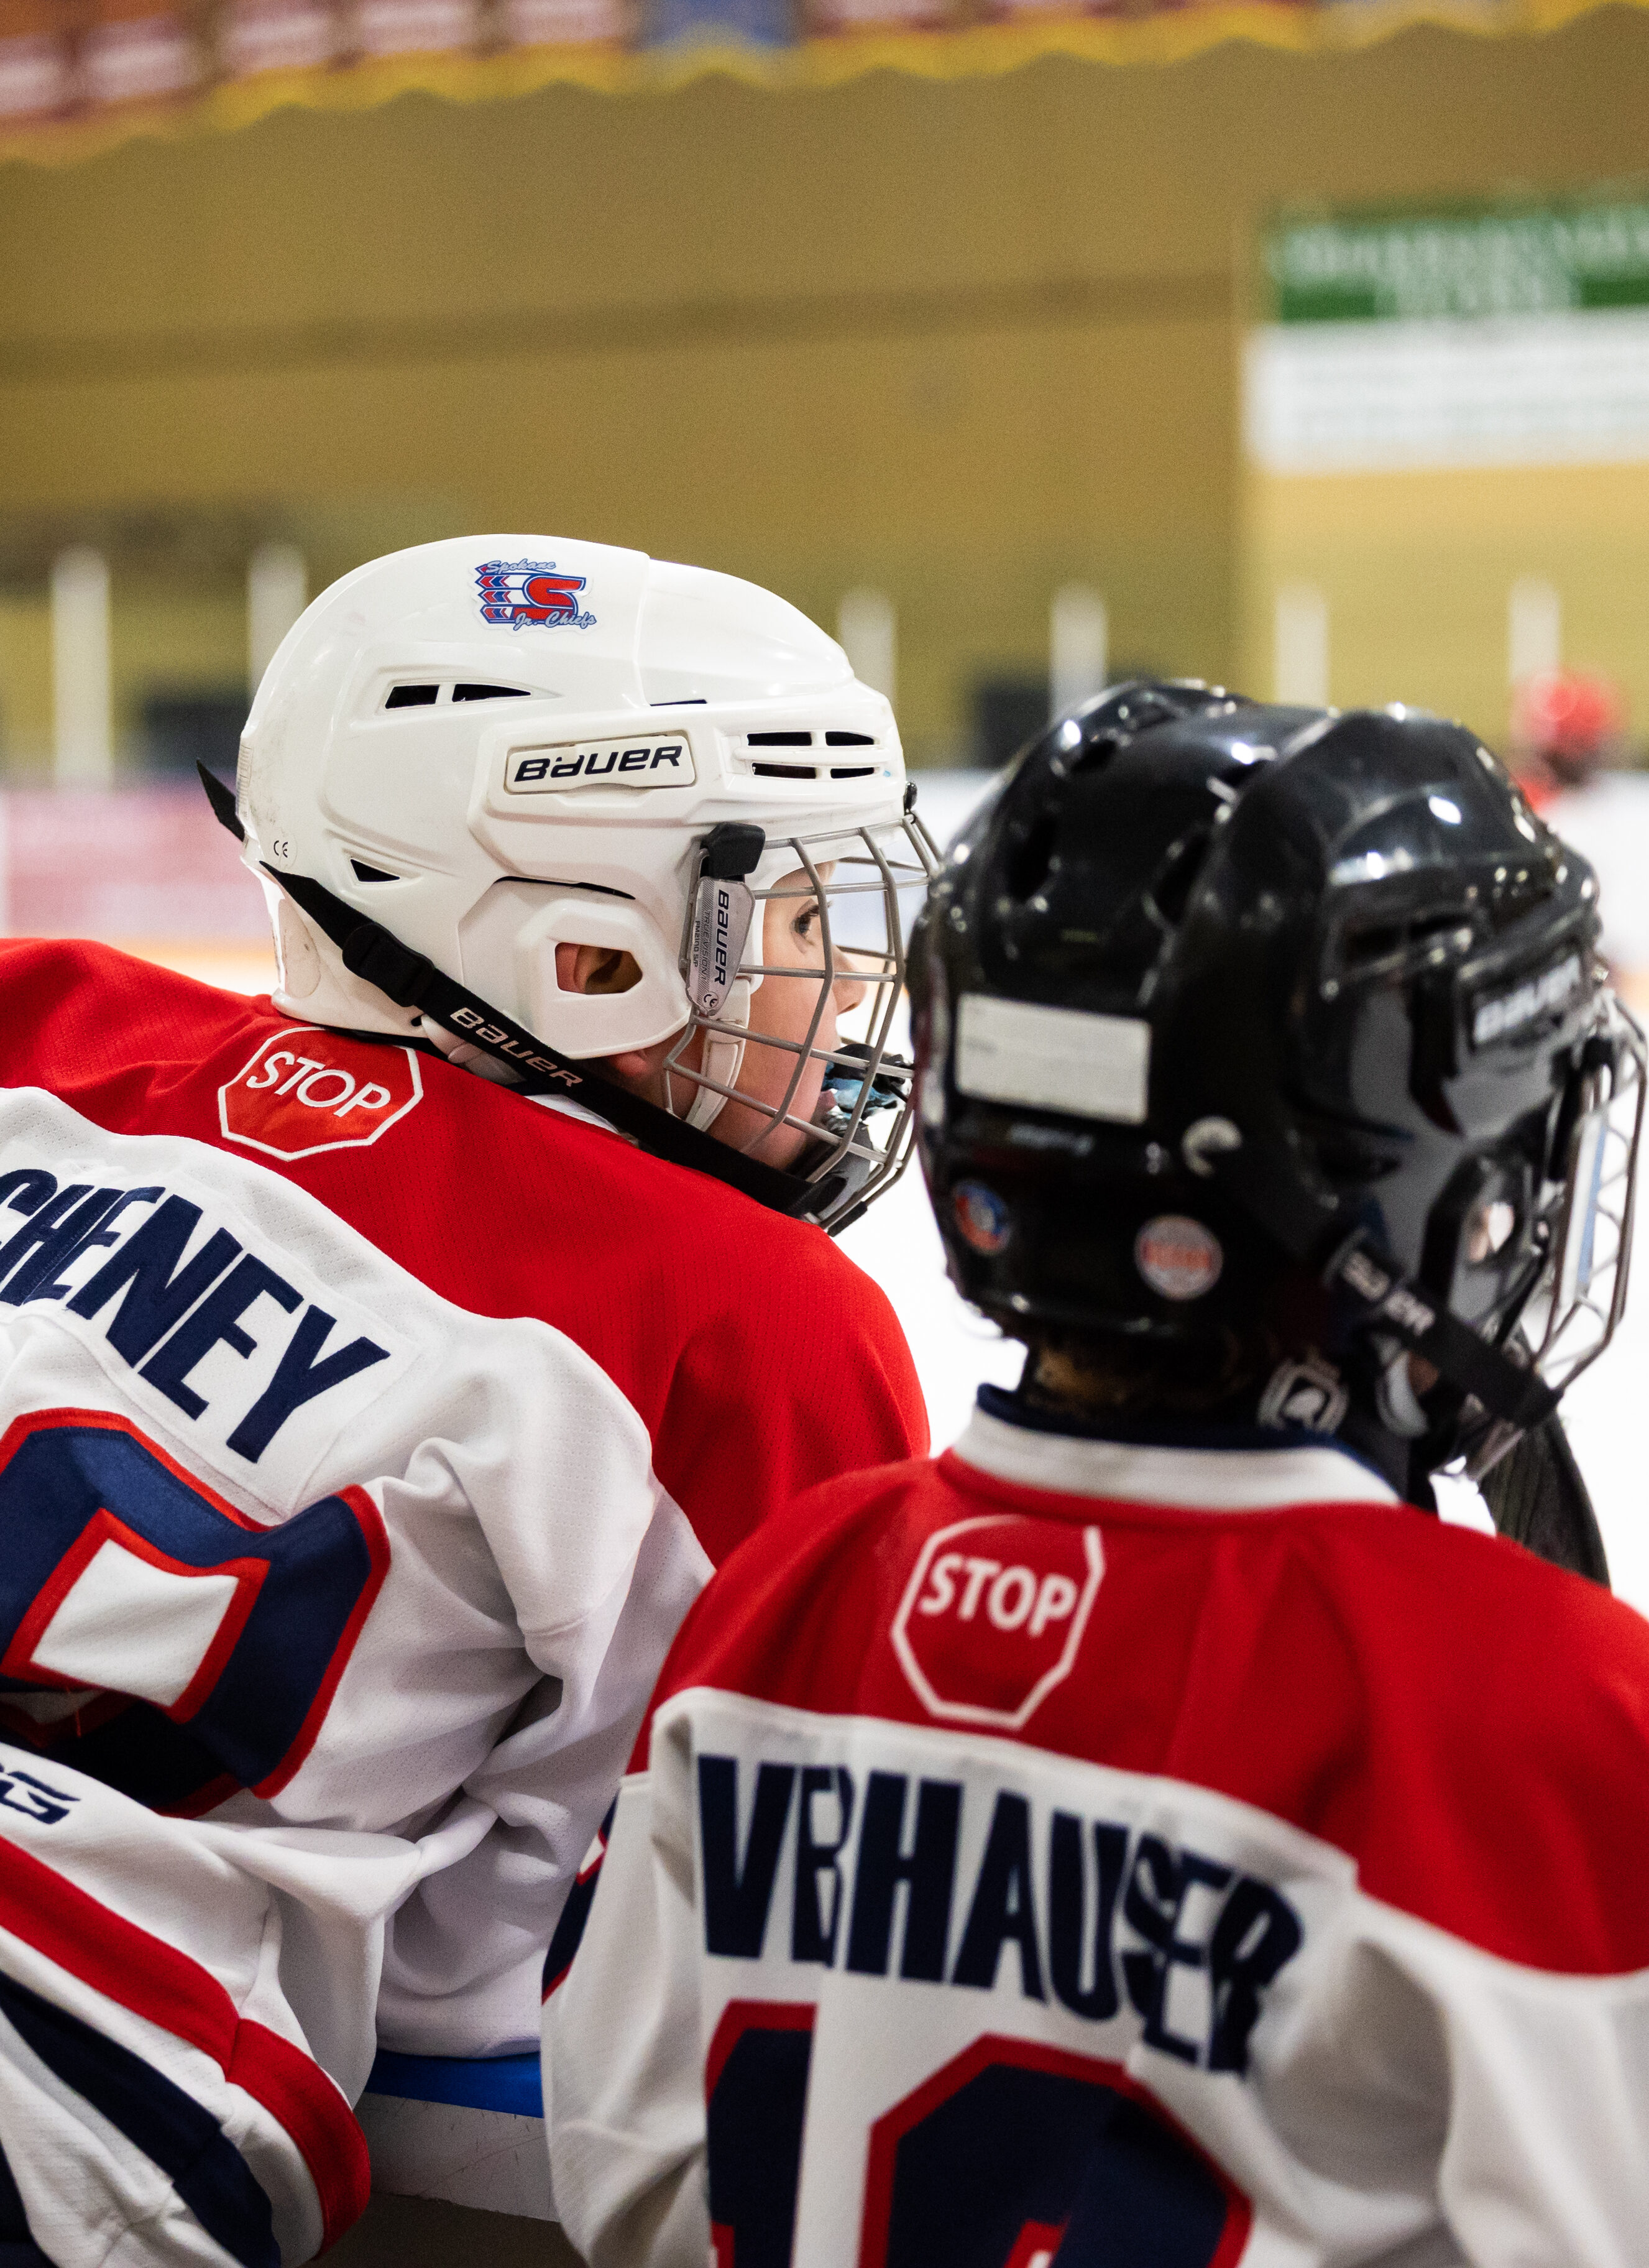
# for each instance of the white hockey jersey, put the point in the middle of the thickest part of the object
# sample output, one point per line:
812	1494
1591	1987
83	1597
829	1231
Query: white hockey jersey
1072	1852
336	1392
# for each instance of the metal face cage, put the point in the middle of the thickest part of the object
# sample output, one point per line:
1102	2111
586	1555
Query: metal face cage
1581	1294
863	886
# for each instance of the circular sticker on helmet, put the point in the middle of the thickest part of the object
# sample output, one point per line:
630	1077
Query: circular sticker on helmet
1178	1258
981	1217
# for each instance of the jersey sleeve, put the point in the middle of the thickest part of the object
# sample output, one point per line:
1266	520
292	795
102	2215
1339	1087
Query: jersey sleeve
623	2085
466	1952
801	1374
1509	2102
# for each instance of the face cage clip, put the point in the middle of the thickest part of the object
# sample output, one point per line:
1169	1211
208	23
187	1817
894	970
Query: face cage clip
860	1077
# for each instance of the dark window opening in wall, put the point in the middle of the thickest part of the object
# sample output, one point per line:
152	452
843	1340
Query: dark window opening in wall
1008	712
180	730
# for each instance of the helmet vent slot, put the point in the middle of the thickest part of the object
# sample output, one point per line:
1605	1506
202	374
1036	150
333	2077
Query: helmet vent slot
1509	904
784	771
412	696
778	739
365	873
849	741
1393	944
490	692
1097	753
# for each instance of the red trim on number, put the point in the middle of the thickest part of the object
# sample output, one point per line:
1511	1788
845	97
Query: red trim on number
741	2016
376	1538
992	2049
1038	2241
131	1966
204	1799
106	1527
18	1726
374	1534
106	1421
738	2018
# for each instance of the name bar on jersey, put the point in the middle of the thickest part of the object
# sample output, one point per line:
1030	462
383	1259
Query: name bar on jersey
1090	1911
161	1312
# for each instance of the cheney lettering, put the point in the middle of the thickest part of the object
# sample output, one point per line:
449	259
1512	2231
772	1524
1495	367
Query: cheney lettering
161	1313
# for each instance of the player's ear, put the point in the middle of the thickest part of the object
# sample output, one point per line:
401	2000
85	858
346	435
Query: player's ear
606	968
595	968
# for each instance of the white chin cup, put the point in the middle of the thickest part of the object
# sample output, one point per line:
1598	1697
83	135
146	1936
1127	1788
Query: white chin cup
1395	1398
722	1059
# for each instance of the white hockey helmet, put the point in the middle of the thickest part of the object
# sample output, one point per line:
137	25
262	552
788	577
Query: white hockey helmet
466	754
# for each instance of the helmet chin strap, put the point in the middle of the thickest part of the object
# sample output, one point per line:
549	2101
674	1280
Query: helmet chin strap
1351	1263
722	1060
411	980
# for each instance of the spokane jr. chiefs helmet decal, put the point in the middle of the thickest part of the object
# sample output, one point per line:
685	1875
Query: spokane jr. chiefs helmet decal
517	592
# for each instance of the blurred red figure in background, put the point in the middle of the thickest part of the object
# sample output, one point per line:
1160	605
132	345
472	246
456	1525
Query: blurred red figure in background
1566	727
1572	754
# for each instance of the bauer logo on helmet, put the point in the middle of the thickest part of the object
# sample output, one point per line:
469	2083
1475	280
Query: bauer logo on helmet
600	764
520	591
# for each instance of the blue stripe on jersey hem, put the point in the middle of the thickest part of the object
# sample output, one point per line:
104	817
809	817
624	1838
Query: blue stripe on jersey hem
170	2127
513	2083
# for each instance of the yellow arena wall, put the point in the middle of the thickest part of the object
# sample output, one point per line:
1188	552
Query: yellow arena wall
964	342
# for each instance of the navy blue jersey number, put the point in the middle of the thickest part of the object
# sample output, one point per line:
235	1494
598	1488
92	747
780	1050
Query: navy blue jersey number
755	2103
1017	2155
184	1689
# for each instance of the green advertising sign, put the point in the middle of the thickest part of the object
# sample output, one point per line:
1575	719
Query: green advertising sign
1551	260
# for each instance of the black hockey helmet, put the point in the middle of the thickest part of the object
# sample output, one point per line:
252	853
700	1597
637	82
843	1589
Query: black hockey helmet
1229	1013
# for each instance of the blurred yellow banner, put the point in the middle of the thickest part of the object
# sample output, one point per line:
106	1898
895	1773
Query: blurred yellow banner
77	74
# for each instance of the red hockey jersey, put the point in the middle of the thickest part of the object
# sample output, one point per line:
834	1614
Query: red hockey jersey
723	1325
1072	1852
366	1432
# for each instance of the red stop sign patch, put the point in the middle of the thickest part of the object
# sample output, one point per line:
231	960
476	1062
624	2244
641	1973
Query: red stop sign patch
307	1089
993	1615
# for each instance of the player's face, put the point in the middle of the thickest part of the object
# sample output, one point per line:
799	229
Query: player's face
781	1010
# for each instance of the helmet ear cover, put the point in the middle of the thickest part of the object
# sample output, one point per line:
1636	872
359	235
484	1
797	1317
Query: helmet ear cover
531	919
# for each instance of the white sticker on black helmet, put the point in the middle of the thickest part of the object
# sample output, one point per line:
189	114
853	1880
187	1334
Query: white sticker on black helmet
1068	1059
722	915
1495	1014
664	762
1178	1258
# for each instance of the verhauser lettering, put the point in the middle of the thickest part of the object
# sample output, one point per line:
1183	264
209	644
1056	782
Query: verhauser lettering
168	1312
1112	1921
